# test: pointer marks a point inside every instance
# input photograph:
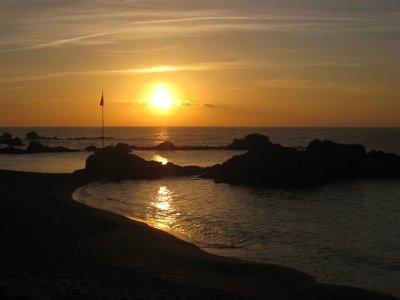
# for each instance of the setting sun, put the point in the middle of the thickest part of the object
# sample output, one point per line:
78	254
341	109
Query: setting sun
161	97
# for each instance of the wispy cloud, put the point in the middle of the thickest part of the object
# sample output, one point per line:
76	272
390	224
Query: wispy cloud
159	27
192	104
138	51
198	67
56	43
209	105
135	102
299	83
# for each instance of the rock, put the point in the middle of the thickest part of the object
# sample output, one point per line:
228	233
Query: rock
118	163
11	150
166	146
250	141
344	161
12	142
335	150
35	147
123	147
269	165
275	165
32	135
7	135
91	148
16	142
389	164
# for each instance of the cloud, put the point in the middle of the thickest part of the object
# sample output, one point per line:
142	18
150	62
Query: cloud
56	43
186	103
83	28
158	69
189	103
197	67
314	84
209	105
135	102
139	51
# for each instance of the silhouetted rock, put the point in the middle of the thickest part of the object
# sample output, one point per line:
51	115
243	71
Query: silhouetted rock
335	150
350	161
7	135
389	163
119	145
91	148
166	146
35	147
123	147
11	150
250	141
32	135
11	141
269	165
118	163
274	165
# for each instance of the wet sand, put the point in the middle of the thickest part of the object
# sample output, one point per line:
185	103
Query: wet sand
54	248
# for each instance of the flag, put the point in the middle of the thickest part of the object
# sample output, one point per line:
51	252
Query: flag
102	100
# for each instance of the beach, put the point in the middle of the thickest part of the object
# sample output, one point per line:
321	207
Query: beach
55	248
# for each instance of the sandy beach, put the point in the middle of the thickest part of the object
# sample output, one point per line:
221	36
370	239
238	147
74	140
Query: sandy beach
55	248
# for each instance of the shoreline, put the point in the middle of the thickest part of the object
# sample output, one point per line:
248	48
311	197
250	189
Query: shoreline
55	247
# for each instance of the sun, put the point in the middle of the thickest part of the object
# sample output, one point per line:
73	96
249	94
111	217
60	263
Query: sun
161	97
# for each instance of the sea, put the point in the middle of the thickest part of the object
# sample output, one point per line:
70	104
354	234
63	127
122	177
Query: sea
346	232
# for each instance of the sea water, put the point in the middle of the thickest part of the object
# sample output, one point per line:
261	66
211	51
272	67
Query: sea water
346	232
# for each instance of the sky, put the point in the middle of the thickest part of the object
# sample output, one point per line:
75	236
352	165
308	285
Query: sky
222	63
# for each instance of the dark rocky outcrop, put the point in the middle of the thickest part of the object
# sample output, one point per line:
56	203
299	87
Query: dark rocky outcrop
11	141
118	163
119	146
166	146
6	135
274	165
91	148
32	135
12	150
250	141
35	147
350	161
269	165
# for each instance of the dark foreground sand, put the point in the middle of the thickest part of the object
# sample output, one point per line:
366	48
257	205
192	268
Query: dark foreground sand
54	248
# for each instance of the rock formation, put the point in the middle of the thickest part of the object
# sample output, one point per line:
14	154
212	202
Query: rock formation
118	163
274	165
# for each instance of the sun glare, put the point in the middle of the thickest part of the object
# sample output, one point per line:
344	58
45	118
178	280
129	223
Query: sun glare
161	97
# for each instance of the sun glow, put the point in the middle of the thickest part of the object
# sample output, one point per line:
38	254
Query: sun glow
161	97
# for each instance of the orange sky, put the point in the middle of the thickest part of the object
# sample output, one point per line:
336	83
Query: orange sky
225	63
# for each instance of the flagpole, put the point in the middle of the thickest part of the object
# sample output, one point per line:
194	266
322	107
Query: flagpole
102	118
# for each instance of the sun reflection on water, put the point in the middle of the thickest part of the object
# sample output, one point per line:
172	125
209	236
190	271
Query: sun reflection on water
160	211
159	158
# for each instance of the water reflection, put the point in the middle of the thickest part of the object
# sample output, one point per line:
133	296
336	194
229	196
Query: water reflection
159	158
160	211
163	135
